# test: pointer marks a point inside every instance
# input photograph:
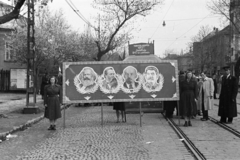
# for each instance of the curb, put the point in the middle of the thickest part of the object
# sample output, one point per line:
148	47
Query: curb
3	136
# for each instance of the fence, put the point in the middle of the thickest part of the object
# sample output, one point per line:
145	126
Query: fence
4	80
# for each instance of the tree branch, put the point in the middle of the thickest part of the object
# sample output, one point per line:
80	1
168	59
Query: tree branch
14	14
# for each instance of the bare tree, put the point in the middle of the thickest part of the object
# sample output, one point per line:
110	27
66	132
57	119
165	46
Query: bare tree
55	41
201	57
114	30
14	13
170	54
222	8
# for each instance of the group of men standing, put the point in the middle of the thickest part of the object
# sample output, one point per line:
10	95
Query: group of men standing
227	97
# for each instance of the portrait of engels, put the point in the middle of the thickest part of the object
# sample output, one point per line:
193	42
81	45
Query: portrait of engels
109	81
152	79
86	81
131	80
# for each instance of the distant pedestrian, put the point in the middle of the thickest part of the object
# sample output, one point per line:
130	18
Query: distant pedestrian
219	84
188	97
227	101
207	91
182	77
59	78
52	102
215	86
45	81
199	93
119	107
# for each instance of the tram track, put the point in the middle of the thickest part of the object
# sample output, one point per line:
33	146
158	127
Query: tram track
195	152
226	127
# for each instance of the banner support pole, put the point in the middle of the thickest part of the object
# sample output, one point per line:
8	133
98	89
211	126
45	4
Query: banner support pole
64	118
102	114
140	114
178	113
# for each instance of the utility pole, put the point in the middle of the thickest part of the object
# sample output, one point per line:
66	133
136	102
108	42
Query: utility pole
99	28
31	58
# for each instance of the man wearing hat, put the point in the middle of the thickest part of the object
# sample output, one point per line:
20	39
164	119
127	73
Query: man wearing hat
227	100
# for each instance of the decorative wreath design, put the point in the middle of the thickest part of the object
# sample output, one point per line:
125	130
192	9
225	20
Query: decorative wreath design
159	84
134	90
116	89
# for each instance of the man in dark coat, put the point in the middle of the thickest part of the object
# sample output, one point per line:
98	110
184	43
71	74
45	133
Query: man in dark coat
45	81
227	100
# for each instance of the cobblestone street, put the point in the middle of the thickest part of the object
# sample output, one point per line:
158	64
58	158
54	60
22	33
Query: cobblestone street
85	138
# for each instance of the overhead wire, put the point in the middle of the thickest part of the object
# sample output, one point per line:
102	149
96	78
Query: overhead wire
188	30
163	18
74	8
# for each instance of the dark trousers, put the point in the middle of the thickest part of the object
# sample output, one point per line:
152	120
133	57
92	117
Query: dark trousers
224	119
169	107
205	112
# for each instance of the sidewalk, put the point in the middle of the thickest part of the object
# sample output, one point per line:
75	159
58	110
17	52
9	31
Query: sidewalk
12	119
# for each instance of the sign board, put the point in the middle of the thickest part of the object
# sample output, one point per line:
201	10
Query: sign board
18	79
113	81
141	49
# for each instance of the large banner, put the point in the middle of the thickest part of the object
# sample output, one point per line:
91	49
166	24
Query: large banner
112	81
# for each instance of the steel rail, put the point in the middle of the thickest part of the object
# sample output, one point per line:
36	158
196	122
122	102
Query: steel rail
226	127
188	143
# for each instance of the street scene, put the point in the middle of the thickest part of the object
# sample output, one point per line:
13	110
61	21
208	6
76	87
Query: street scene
119	80
84	137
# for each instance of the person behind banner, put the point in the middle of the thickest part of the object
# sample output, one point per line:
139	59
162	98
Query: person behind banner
45	81
59	78
52	102
119	107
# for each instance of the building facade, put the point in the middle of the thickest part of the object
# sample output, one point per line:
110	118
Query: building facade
211	54
6	50
234	53
185	62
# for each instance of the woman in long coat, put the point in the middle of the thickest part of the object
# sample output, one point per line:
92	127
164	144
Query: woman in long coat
188	97
227	99
52	101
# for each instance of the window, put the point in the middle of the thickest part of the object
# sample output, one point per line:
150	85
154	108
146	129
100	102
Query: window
8	52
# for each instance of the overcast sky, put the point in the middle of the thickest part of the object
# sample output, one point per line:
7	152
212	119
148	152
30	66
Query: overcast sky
183	20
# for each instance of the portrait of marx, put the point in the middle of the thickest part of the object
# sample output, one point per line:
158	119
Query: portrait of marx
153	80
86	81
131	80
109	81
